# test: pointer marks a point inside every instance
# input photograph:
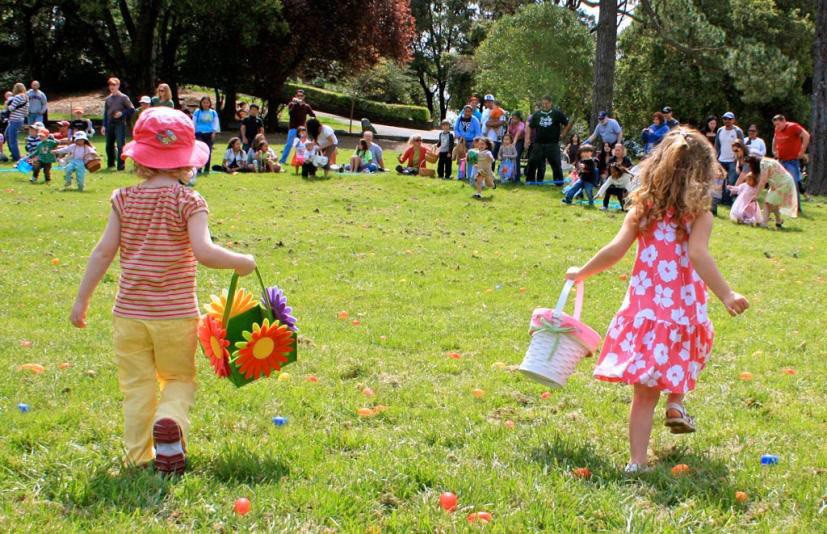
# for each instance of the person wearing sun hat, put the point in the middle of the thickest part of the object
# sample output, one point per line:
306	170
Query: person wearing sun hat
161	228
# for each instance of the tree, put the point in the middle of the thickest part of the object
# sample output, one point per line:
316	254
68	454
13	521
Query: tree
442	28
751	57
542	49
818	125
604	61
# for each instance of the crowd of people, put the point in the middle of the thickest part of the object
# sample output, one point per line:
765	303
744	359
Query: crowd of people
485	145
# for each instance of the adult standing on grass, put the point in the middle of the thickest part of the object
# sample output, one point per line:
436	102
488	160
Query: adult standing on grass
789	145
251	126
116	111
38	103
18	108
325	139
516	129
608	130
546	147
467	126
206	127
493	121
297	112
753	142
727	135
163	97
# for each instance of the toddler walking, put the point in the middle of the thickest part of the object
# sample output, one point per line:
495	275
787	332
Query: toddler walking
459	154
484	165
661	338
508	159
77	154
42	156
161	229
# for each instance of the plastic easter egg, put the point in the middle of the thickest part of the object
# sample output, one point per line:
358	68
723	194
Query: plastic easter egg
448	501
478	393
242	506
769	459
479	517
23	407
279	421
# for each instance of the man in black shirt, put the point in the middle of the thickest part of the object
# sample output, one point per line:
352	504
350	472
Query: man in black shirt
251	126
546	124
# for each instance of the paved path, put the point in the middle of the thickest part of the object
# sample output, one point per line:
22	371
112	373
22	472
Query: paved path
387	131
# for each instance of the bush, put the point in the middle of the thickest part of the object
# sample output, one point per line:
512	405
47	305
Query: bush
378	112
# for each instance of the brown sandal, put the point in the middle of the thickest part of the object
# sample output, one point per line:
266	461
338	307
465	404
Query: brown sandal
683	424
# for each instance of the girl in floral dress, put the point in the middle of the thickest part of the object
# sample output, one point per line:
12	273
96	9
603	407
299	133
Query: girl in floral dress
661	338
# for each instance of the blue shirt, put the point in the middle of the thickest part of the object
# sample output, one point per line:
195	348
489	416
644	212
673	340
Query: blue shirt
206	121
467	129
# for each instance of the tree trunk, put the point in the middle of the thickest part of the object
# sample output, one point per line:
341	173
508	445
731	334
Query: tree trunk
818	146
443	102
142	49
271	121
228	111
604	61
352	107
429	95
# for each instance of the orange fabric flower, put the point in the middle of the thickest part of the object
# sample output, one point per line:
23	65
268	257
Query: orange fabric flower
266	348
243	300
214	341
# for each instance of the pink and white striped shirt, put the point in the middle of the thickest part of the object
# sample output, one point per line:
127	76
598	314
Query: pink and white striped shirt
157	264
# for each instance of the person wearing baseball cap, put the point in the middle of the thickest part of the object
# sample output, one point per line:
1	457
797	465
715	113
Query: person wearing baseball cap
161	229
493	122
669	120
607	130
728	134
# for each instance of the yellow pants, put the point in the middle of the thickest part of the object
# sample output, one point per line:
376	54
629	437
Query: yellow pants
153	353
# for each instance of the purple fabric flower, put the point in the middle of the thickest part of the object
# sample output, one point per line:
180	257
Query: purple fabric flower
281	311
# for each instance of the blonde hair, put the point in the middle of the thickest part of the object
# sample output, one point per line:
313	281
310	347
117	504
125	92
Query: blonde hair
675	179
180	174
165	89
18	88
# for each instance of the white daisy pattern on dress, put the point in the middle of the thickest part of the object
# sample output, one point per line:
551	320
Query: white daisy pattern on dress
663	296
675	374
668	270
649	255
666	232
641	282
661	337
688	295
661	354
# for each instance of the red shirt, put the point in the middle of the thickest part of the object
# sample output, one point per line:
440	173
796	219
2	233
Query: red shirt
788	141
414	158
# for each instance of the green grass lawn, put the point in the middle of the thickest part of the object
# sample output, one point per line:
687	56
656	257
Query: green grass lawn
426	271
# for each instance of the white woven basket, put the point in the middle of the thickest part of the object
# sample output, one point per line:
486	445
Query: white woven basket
552	356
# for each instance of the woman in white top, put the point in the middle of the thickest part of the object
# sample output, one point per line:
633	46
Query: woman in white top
235	159
324	138
755	143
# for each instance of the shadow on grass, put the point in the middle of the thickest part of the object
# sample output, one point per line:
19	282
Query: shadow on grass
236	463
707	480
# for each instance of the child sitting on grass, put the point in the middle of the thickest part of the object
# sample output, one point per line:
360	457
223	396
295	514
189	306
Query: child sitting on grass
75	163
235	159
484	165
162	231
361	159
413	159
265	158
661	338
588	175
42	156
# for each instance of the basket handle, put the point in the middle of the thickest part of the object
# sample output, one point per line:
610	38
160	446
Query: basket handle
231	297
564	296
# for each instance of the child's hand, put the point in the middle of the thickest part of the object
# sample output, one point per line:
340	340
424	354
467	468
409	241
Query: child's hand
736	304
78	316
247	264
573	274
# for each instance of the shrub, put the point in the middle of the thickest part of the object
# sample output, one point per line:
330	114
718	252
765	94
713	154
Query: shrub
378	112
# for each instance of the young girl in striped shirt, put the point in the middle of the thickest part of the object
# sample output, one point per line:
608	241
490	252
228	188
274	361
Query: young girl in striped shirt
160	227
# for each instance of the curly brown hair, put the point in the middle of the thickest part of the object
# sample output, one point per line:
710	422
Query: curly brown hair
675	179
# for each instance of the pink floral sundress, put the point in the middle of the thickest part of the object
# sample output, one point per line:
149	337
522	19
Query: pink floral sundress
662	336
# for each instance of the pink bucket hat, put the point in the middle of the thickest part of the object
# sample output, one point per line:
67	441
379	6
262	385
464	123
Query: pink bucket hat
164	138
